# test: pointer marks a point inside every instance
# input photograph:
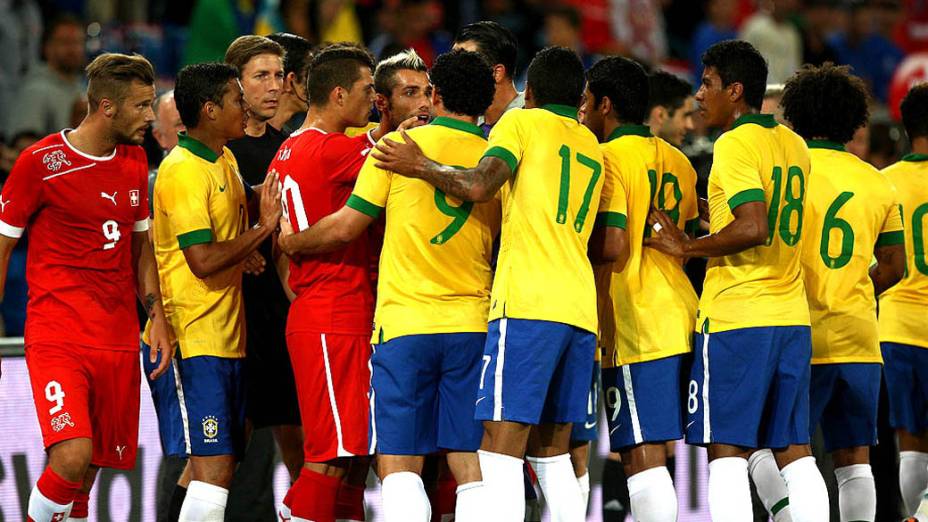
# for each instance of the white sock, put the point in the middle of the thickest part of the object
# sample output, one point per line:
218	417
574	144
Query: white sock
856	493
913	478
204	503
404	498
560	487
729	490
41	509
283	512
652	496
770	486
470	504
77	519
504	487
584	482
808	497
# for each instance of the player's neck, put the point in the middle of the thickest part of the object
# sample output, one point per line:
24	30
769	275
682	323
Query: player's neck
609	126
503	96
255	127
91	137
920	145
326	121
741	109
441	113
212	141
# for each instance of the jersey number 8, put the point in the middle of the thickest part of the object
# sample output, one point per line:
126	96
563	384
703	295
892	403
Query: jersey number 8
792	197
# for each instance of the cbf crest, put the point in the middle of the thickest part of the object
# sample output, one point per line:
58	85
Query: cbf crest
210	429
55	159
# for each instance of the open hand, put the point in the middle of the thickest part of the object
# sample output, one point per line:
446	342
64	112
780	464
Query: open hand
270	208
404	158
161	336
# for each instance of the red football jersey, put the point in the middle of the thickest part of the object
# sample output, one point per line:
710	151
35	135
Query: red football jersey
317	171
81	211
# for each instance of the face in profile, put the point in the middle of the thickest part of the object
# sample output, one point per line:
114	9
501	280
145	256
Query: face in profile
134	114
712	97
676	127
589	115
232	115
359	100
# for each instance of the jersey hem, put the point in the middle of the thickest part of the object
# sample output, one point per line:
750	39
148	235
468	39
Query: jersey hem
585	328
645	359
195	237
743	326
847	360
746	196
906	341
503	154
439	331
363	206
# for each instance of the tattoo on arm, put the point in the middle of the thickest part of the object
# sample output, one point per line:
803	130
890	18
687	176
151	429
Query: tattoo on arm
149	304
479	183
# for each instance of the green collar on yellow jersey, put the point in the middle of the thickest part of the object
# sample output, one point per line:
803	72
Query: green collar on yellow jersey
196	147
915	157
630	130
460	125
825	144
764	120
561	110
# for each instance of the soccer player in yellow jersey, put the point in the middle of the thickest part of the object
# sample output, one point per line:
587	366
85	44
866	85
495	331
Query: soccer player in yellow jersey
541	339
851	214
432	299
647	304
904	309
749	384
201	239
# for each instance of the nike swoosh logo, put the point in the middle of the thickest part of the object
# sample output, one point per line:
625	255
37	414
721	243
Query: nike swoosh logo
690	423
222	188
478	400
613	429
589	426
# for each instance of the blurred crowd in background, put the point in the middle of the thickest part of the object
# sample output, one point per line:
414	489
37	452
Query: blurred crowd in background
44	45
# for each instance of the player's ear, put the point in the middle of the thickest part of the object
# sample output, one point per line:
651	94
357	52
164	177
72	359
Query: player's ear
499	72
735	91
657	116
290	82
108	107
380	101
605	106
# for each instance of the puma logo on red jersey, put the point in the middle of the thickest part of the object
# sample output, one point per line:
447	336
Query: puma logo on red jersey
107	196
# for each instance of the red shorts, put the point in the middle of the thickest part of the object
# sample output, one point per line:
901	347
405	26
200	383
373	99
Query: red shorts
82	392
333	379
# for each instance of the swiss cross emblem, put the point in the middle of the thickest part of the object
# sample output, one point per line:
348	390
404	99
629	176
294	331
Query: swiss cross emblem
134	198
58	517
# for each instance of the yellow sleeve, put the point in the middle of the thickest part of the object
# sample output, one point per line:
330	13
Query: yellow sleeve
185	199
370	191
613	200
892	233
507	140
737	171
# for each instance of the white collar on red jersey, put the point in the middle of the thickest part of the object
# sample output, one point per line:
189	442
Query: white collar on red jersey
108	157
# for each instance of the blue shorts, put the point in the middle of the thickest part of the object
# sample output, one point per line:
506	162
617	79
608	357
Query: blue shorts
200	404
906	370
535	372
423	392
844	399
643	402
750	387
587	431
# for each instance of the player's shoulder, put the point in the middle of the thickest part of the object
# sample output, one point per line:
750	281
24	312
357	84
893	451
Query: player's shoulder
674	155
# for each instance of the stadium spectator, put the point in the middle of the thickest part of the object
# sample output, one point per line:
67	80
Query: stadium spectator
818	21
871	55
20	38
718	26
563	29
638	27
776	37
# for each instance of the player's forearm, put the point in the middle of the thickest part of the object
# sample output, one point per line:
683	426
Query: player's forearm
889	269
149	287
738	236
208	259
326	235
479	184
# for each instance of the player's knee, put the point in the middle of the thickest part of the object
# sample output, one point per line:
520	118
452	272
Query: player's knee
71	458
217	471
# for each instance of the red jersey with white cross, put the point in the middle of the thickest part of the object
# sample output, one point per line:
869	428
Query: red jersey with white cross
81	211
317	171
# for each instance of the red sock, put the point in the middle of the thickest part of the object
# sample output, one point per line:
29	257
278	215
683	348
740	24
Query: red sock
447	496
56	488
349	504
79	509
313	496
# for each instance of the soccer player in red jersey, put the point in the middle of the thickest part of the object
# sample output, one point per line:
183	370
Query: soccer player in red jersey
83	193
328	329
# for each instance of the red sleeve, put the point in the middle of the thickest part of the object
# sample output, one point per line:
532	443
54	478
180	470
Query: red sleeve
343	157
21	196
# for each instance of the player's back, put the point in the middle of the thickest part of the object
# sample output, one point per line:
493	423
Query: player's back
757	160
318	171
654	304
850	208
435	269
903	307
549	206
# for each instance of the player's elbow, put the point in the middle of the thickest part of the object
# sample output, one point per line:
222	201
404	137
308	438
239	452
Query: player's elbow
480	193
754	233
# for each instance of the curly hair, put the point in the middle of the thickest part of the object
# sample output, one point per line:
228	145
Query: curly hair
915	112
825	102
464	80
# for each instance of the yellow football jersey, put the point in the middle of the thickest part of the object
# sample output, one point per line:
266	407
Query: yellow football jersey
199	198
435	270
904	307
757	160
849	209
650	306
549	208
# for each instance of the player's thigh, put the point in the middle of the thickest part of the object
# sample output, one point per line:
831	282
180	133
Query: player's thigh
850	418
567	400
582	433
643	402
405	372
524	356
212	404
61	392
822	383
164	395
906	400
787	410
462	362
114	406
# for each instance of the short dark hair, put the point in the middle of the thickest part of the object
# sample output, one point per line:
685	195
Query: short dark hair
385	73
915	112
668	91
556	76
625	83
199	83
336	65
568	13
737	61
494	41
298	51
464	80
825	102
110	75
244	48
